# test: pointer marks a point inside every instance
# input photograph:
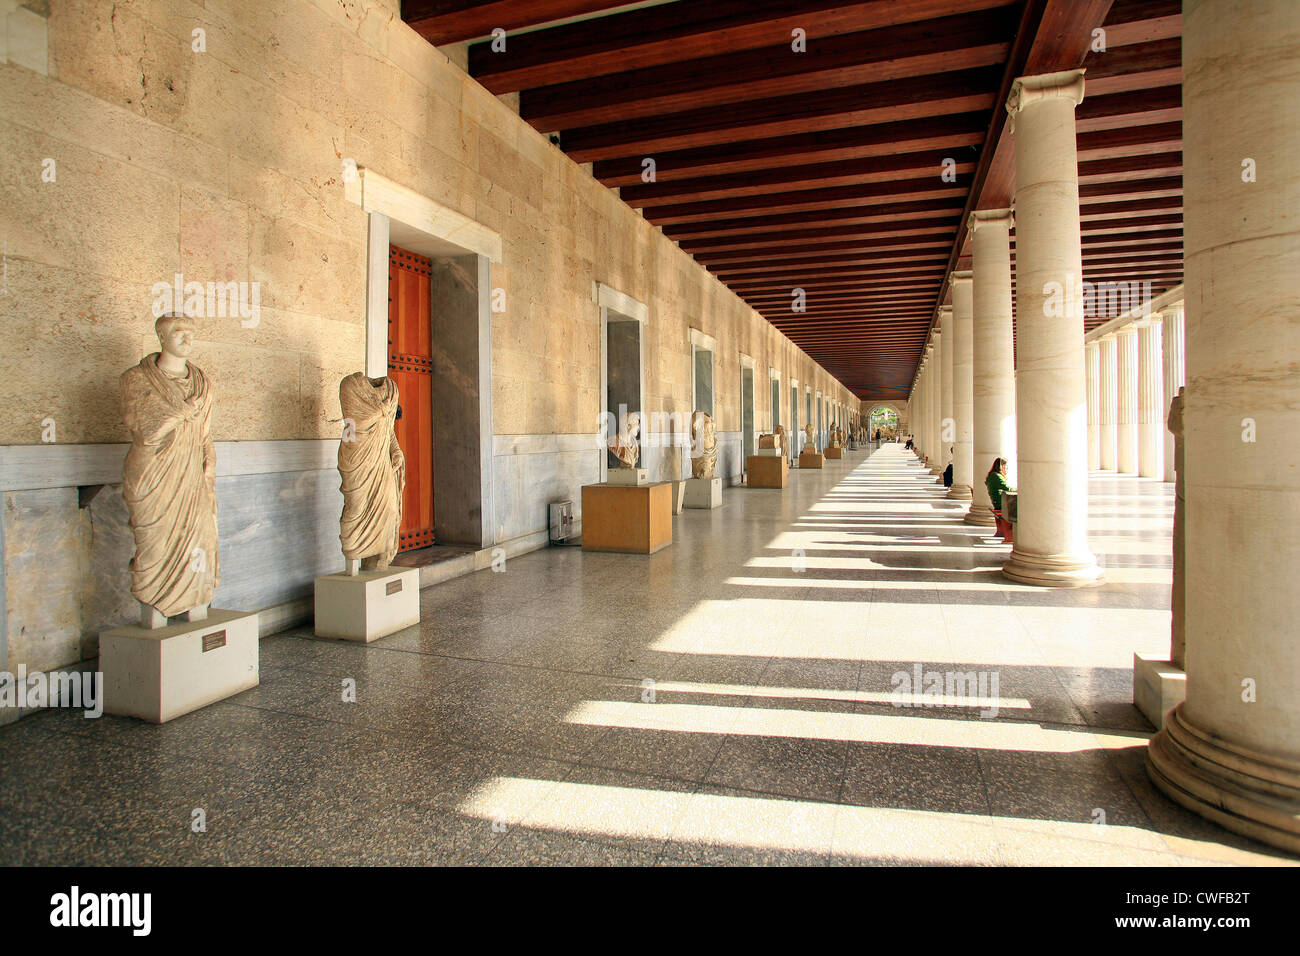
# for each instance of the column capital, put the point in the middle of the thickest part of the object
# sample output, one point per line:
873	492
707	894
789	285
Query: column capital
964	275
944	308
1026	90
990	217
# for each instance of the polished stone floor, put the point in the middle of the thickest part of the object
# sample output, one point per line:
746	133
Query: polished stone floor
730	700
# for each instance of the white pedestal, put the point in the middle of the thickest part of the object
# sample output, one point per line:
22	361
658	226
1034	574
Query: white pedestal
1158	687
160	673
704	492
369	605
768	453
628	476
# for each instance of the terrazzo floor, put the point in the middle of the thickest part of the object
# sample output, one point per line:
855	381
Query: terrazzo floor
730	700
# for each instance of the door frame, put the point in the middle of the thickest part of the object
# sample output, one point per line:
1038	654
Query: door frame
431	229
617	307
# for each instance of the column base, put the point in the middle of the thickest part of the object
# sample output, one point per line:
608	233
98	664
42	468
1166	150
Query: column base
1246	792
981	515
1052	571
960	492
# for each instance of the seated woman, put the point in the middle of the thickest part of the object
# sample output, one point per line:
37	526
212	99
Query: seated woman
996	483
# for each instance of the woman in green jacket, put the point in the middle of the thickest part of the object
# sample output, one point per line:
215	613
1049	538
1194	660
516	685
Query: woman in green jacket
996	483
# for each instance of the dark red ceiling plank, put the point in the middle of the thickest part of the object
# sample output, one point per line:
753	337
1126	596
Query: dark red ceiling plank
451	21
901	227
804	200
1142	21
947	207
932	46
930	94
659	36
799	252
944	133
927	164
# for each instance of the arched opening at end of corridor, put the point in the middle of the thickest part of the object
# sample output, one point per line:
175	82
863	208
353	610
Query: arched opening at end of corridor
884	419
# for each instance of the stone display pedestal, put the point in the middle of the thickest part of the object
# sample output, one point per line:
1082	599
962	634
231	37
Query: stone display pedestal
766	471
704	492
628	476
631	519
679	493
811	459
1158	687
160	673
834	452
368	605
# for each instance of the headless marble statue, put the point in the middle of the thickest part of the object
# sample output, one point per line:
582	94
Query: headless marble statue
626	446
169	479
704	438
373	472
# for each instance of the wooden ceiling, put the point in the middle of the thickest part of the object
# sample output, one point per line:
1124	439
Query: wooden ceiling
823	170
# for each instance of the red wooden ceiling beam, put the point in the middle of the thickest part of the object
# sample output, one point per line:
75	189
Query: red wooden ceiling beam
451	21
933	46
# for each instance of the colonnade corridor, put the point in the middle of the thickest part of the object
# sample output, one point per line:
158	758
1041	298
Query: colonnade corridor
732	699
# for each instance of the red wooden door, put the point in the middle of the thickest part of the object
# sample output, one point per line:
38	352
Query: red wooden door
410	365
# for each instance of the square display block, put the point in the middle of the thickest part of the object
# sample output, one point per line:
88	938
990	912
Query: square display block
628	476
704	492
1158	687
768	453
811	459
368	605
629	519
767	472
160	673
833	452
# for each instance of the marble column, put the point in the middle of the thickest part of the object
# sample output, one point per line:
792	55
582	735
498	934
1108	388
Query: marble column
1051	546
1107	354
1151	406
947	424
1092	375
963	399
1171	347
1231	750
936	402
992	354
1126	425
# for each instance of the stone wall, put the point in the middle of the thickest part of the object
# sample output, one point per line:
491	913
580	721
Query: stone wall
128	156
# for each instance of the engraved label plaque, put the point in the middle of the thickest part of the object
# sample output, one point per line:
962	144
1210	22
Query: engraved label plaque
214	640
394	586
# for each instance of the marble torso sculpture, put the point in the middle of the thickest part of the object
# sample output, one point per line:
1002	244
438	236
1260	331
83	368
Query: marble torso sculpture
809	445
704	445
169	479
626	445
373	472
773	440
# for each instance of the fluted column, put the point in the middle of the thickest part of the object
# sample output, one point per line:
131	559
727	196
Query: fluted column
992	354
1051	546
1107	354
1151	406
1231	750
1126	427
963	399
1171	346
947	425
936	402
1092	375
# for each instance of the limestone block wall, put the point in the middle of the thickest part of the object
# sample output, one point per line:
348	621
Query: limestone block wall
156	138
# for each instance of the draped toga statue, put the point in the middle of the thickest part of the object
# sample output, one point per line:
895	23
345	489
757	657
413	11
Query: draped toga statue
810	445
373	470
626	446
169	478
704	445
